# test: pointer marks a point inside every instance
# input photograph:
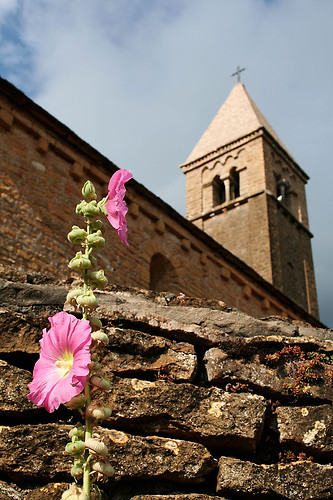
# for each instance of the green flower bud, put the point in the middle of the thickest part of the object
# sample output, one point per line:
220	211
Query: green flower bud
74	493
104	468
77	431
80	262
93	261
91	209
101	383
97	279
101	206
100	336
95	323
97	446
98	412
81	207
88	299
77	235
94	366
97	225
72	296
96	240
76	402
75	448
77	469
87	209
88	191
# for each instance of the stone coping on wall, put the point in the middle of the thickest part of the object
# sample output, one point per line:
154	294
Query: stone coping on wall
207	402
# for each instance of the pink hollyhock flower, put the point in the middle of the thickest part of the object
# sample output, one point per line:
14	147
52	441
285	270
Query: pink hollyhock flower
62	368
115	205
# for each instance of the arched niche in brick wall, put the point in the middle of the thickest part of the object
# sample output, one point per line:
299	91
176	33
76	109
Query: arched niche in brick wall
163	275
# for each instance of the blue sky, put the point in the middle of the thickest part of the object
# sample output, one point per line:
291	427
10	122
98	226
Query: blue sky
140	80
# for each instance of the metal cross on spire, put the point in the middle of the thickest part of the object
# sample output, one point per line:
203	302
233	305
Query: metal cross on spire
238	72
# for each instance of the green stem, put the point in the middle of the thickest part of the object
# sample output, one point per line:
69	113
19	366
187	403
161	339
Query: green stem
87	393
86	276
87	434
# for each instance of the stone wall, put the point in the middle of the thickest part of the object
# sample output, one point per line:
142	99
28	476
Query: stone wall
207	402
43	166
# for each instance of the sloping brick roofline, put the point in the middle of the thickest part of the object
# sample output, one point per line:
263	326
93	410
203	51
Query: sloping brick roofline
65	133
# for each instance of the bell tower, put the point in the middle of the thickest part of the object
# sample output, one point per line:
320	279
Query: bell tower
246	191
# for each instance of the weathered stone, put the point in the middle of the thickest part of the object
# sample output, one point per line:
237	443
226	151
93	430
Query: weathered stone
203	325
14	390
34	451
51	491
10	492
19	295
301	480
198	324
173	459
308	428
131	352
271	381
189	496
210	415
37	451
19	333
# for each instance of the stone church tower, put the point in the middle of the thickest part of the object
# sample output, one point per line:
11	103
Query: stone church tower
247	192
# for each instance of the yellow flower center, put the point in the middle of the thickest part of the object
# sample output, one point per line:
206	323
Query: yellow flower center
65	363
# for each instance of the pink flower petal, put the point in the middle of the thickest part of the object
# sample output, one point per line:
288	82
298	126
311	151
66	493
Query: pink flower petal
115	205
68	336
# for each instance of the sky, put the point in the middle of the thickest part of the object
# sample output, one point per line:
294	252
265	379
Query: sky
140	80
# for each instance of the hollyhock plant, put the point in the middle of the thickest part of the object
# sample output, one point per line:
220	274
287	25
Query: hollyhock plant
62	368
115	205
68	369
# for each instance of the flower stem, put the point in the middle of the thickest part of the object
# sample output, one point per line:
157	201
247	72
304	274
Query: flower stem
87	435
87	393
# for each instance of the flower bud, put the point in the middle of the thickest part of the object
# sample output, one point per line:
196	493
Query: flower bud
81	207
96	225
104	468
76	402
94	366
75	447
97	279
77	431
74	493
92	260
88	191
100	336
97	446
72	296
80	262
88	299
98	412
91	209
77	235
101	206
96	240
95	323
77	469
101	383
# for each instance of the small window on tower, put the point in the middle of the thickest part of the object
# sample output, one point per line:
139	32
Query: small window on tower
234	183
218	191
281	189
